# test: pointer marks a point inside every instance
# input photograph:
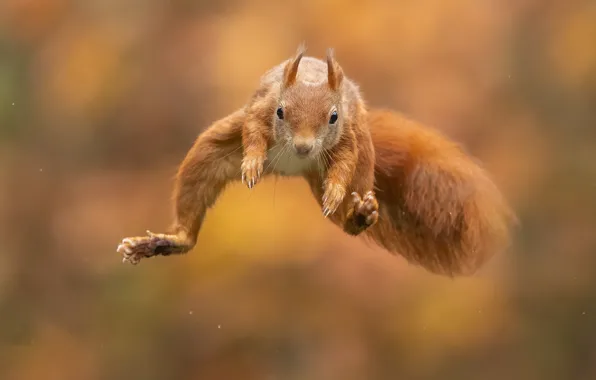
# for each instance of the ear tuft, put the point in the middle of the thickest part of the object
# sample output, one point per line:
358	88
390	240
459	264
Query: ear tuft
334	72
301	49
291	69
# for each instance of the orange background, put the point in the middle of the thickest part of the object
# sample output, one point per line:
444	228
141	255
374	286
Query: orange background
101	99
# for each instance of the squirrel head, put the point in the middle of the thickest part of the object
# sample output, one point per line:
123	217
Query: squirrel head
309	116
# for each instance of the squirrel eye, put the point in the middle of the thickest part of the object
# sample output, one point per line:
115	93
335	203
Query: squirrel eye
333	118
280	113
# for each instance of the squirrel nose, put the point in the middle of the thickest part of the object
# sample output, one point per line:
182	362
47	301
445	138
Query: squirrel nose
303	148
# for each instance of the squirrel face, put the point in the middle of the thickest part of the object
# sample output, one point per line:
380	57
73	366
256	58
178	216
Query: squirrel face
309	119
309	116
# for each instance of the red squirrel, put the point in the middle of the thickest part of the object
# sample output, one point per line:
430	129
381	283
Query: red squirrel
374	173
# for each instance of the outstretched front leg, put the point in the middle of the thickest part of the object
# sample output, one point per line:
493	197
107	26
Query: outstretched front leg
133	249
352	170
255	137
343	160
212	163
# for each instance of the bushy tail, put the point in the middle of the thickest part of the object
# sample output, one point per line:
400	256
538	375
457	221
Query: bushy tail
438	207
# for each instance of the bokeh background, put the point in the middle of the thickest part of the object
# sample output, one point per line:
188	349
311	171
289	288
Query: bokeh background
101	99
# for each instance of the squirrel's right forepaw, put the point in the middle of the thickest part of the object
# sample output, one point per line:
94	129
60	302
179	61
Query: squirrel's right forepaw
252	168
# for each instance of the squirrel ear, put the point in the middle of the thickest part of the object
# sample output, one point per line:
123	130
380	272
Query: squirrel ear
291	68
335	74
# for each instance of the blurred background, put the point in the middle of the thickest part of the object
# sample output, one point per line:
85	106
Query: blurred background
101	99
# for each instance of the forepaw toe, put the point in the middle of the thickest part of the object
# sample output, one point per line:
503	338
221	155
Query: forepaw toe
366	209
133	249
332	198
252	169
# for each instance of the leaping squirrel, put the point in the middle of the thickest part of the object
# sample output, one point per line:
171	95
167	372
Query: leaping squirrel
374	172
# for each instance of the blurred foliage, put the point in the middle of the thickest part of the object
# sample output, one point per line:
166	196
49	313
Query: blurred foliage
100	100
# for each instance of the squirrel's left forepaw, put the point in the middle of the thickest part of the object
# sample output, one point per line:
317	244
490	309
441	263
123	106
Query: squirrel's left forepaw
133	249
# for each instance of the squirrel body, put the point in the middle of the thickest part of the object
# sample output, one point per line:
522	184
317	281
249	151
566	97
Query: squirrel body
375	173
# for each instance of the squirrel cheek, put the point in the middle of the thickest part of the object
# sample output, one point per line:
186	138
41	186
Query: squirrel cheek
331	137
281	131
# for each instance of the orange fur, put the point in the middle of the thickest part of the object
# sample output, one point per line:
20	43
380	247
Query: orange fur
405	186
438	207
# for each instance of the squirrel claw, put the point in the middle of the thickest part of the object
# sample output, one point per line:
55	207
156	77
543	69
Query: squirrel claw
133	249
252	168
334	195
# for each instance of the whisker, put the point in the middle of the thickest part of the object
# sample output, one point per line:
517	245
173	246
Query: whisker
327	162
274	187
273	159
287	155
328	158
319	164
232	152
282	152
331	159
